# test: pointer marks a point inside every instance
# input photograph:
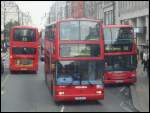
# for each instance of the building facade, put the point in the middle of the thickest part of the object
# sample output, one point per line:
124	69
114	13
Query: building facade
135	13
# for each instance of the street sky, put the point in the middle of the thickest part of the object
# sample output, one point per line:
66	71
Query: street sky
36	9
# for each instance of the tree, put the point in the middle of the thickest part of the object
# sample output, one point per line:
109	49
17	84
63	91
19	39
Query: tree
8	27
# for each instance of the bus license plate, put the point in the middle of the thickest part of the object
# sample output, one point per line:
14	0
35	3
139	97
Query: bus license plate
23	69
80	98
119	81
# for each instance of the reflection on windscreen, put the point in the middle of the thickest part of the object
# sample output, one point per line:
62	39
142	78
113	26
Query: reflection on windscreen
118	39
25	35
120	63
76	72
80	50
79	30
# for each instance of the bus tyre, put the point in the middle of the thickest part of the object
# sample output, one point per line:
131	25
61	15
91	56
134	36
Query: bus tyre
51	90
57	102
35	72
12	72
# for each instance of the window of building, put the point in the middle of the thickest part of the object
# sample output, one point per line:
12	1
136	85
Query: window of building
109	17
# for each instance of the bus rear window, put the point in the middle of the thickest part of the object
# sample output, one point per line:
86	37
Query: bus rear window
23	50
24	35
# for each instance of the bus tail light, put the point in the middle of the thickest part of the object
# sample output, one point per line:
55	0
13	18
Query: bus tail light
98	92
61	93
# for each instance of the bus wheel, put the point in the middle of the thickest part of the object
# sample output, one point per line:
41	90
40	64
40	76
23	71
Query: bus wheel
12	72
57	102
51	90
34	72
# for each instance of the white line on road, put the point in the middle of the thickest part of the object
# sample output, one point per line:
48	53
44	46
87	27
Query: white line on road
125	108
62	109
2	92
5	80
122	89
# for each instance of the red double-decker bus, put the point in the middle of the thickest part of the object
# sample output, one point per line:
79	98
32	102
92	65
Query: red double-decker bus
120	54
74	59
24	49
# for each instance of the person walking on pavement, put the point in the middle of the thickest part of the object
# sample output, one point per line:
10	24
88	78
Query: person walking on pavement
141	56
145	58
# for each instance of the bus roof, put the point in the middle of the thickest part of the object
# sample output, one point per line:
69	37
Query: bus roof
29	27
116	26
70	19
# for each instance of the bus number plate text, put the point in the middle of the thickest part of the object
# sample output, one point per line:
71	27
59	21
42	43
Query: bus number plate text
80	98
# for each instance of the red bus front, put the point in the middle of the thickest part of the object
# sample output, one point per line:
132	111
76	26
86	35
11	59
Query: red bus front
74	73
120	54
23	49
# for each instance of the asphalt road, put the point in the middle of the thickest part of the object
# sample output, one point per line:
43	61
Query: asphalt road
23	92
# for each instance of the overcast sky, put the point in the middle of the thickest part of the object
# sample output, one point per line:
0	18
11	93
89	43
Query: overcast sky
36	9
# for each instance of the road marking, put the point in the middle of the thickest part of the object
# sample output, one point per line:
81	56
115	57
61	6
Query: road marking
62	109
5	80
2	92
125	108
122	89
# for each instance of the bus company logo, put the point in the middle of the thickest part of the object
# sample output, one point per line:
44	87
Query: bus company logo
80	87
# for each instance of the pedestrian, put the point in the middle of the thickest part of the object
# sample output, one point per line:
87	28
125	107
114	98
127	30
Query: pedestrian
138	54
145	58
147	67
141	56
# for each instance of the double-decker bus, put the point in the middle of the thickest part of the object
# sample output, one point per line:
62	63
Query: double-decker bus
120	54
42	35
74	59
24	49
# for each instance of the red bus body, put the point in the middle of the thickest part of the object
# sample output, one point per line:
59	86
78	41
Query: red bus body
23	50
61	70
115	49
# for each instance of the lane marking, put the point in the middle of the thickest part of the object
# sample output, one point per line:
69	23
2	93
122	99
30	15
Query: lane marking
122	89
62	109
4	81
125	108
2	92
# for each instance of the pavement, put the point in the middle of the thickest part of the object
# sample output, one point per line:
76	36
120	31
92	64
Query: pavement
140	90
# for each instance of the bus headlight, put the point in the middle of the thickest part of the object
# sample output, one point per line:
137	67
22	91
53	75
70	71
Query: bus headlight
61	93
98	92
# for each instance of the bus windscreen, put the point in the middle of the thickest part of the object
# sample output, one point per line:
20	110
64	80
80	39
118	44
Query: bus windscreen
78	72
120	62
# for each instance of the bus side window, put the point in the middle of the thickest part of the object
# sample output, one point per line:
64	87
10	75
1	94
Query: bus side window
51	32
